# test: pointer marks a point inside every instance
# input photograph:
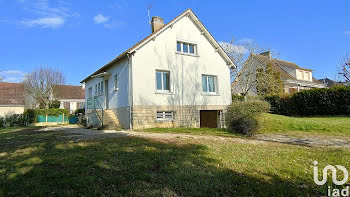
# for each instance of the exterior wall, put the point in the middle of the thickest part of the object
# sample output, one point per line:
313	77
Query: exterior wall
115	99
123	115
9	110
185	70
184	116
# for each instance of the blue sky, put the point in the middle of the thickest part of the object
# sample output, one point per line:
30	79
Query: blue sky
78	37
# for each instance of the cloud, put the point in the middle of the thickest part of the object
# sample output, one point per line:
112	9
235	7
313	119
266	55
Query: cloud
45	22
230	48
13	76
47	16
100	19
347	32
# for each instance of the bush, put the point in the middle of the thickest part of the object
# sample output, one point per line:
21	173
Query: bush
55	105
31	115
2	122
279	104
325	101
15	120
237	98
241	116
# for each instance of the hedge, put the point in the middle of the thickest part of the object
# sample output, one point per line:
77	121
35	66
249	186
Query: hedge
52	112
325	101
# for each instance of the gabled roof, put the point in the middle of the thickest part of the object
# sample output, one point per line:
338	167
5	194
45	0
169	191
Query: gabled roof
70	92
11	93
134	48
278	66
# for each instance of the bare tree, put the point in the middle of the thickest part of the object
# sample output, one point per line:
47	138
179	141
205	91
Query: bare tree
344	70
241	52
42	85
0	79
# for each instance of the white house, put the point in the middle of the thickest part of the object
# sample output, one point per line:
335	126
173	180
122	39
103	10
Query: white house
177	76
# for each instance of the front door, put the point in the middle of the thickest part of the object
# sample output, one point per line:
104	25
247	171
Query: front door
209	119
106	94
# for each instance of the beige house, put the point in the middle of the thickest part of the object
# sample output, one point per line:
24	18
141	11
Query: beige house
294	77
11	98
177	76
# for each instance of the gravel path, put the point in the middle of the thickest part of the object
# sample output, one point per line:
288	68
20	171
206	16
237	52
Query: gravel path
77	134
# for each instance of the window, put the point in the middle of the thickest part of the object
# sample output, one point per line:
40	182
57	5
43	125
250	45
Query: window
163	80
307	76
209	84
115	82
99	88
165	115
90	92
301	74
186	47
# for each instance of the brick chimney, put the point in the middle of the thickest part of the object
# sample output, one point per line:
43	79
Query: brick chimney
267	54
157	23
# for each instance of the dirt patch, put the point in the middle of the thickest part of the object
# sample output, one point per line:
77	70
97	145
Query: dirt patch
78	134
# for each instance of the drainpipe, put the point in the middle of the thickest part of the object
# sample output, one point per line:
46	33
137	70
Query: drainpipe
129	56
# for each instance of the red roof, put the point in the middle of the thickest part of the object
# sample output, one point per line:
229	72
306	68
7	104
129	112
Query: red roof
11	93
70	92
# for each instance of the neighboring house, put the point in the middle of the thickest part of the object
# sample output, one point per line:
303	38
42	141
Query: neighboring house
11	98
71	97
294	78
331	83
177	76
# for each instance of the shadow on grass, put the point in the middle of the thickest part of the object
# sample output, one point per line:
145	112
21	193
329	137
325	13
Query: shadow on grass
44	163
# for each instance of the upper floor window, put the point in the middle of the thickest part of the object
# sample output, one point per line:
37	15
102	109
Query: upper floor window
209	84
163	80
184	47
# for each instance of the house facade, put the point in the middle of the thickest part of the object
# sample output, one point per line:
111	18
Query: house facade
177	76
294	77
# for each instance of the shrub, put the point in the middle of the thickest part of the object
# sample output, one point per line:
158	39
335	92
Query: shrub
2	122
237	98
55	105
31	115
279	104
241	116
52	112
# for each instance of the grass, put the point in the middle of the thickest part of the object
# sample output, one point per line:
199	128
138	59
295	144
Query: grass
47	163
278	124
334	126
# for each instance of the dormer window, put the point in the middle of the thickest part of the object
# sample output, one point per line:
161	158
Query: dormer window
187	48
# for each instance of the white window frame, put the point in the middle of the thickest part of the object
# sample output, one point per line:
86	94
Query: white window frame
162	81
96	90
207	84
162	115
182	43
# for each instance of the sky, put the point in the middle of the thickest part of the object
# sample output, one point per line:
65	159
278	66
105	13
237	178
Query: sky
78	37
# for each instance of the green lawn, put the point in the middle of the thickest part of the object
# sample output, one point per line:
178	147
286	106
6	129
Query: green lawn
46	163
335	126
278	124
